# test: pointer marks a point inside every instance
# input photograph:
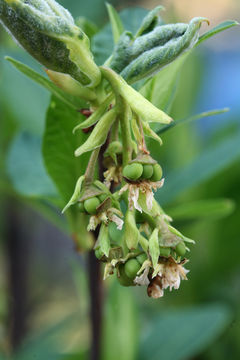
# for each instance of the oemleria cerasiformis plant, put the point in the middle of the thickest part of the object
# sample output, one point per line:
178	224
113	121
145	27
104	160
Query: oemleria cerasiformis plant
149	251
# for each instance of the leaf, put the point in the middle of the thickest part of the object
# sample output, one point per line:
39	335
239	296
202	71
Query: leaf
99	134
70	100
26	170
58	148
203	209
120	326
209	163
104	240
149	21
193	118
116	23
149	62
191	330
220	27
76	194
150	133
48	32
154	247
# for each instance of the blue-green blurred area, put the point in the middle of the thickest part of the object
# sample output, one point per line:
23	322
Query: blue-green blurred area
44	295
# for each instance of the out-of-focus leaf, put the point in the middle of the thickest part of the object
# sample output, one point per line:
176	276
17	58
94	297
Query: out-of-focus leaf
203	209
209	163
70	100
183	334
120	332
116	23
59	144
220	27
192	118
25	167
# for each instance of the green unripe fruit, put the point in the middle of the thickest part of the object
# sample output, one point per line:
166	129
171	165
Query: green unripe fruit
141	258
124	279
102	197
133	171
157	173
81	207
131	268
147	171
91	205
165	251
180	249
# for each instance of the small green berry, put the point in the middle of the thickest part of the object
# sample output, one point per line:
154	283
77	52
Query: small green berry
141	258
131	268
157	173
165	251
102	197
123	278
147	171
180	249
133	171
81	207
91	205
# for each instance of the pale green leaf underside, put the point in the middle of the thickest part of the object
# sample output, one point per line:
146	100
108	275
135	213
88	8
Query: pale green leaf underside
217	29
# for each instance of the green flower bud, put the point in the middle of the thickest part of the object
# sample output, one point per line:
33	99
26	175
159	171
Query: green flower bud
180	249
147	171
91	205
81	207
133	171
131	268
123	279
47	31
165	251
157	173
141	258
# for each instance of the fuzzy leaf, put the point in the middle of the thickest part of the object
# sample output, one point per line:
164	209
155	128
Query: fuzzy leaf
99	134
154	250
151	61
149	21
116	23
72	101
47	31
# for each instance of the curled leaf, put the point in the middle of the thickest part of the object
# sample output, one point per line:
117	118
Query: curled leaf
76	194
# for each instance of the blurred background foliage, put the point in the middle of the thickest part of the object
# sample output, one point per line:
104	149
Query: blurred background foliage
44	299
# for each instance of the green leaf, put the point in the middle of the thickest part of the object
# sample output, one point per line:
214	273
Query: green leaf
154	247
47	31
202	209
72	101
209	163
131	232
116	23
149	21
26	170
192	118
183	334
104	240
120	326
220	27
99	134
58	148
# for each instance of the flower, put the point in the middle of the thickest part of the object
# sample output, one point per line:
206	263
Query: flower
144	187
111	214
114	173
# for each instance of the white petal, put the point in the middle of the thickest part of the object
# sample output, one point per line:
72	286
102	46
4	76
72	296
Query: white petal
143	278
119	222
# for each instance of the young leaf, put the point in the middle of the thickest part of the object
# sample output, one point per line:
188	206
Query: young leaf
99	134
220	27
193	118
116	23
70	100
154	247
76	194
149	21
203	209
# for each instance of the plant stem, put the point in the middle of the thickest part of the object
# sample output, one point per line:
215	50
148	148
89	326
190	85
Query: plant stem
126	132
